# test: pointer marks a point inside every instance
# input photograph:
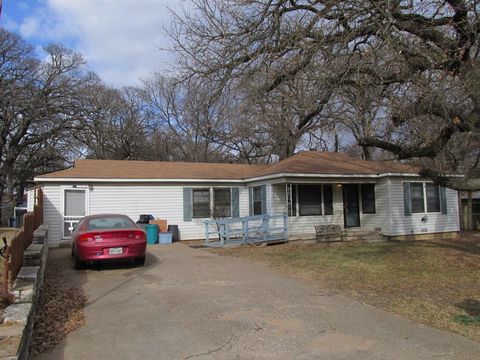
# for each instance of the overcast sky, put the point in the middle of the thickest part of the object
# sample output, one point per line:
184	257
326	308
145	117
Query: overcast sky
121	39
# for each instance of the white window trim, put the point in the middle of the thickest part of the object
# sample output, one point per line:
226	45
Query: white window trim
212	199
425	208
426	202
62	204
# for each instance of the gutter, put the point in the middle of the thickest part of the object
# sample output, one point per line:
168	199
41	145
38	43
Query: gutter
255	179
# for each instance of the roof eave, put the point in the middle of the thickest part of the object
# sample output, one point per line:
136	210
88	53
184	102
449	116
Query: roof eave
246	180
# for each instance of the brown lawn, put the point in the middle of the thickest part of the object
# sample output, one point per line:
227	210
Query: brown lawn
436	283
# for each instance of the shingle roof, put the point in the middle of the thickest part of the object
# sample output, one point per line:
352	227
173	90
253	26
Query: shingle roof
313	162
310	162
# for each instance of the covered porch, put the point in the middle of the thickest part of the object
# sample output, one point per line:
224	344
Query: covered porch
360	206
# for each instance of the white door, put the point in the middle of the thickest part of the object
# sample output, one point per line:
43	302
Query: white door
74	208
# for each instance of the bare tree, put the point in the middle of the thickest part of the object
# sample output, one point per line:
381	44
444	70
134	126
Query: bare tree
39	104
417	56
188	113
116	124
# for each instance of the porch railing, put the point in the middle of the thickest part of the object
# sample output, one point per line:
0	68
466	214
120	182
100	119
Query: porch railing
245	230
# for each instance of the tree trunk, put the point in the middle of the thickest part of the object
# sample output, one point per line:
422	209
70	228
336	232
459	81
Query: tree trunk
286	150
2	190
367	153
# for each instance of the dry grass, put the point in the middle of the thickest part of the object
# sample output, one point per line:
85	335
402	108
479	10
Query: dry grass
436	283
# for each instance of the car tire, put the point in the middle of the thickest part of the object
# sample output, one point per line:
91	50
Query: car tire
140	261
77	263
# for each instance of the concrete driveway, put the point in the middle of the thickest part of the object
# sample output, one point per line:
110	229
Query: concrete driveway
190	304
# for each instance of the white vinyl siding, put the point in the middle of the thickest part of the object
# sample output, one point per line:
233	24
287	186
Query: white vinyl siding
434	222
162	201
166	202
380	219
52	213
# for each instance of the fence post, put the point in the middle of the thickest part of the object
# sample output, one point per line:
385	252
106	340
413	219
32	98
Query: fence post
227	232
244	232
222	235
265	227
6	269
285	226
206	233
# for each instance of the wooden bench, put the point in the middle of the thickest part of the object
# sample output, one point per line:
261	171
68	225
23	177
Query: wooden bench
332	232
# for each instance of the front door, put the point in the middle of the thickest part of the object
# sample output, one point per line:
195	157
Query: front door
351	205
74	208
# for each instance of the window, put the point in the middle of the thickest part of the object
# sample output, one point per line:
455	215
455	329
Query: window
257	200
433	198
109	222
74	209
292	199
368	198
328	199
222	201
416	197
201	203
74	203
310	200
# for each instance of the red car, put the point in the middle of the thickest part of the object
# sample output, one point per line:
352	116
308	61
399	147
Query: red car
107	237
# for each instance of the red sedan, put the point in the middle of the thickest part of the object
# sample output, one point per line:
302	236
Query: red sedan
107	237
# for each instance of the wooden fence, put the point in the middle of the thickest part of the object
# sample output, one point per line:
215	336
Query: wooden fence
31	221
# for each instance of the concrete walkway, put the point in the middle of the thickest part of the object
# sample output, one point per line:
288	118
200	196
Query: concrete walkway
190	304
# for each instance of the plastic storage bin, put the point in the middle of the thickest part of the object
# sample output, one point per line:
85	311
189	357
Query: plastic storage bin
175	232
165	238
152	233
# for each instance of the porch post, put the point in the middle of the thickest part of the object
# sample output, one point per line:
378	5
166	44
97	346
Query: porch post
206	232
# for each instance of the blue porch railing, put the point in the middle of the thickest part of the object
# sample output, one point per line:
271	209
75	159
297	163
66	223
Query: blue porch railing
246	230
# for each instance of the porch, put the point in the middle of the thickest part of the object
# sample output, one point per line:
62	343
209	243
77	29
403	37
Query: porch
360	206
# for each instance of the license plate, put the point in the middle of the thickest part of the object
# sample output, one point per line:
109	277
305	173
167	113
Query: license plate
115	251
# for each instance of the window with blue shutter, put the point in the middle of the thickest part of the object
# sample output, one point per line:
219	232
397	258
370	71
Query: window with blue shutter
406	199
187	204
443	200
235	202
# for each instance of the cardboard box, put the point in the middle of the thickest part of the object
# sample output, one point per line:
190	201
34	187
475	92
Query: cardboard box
162	224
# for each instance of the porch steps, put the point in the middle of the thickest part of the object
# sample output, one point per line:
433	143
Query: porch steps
364	235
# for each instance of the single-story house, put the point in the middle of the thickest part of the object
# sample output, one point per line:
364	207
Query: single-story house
313	188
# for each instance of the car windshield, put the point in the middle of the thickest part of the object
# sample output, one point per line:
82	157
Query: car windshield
110	222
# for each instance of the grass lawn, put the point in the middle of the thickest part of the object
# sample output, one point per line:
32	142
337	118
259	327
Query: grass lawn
436	283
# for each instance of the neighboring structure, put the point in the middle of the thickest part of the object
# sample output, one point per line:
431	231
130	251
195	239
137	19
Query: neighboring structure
313	188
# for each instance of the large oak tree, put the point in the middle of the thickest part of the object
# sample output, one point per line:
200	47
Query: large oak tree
417	59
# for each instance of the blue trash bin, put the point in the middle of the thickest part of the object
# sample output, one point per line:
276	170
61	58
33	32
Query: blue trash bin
152	233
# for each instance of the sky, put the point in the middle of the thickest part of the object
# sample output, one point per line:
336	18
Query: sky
122	40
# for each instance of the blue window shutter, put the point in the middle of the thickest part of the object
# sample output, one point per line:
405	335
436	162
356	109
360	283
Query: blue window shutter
263	192
407	203
235	202
443	200
250	201
187	204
